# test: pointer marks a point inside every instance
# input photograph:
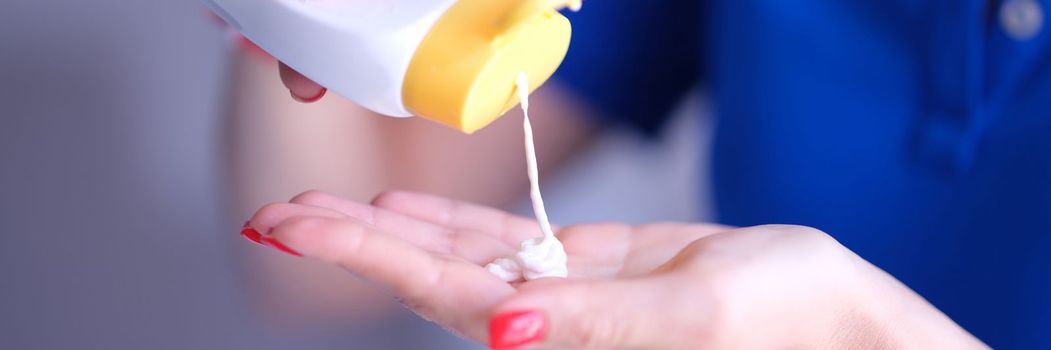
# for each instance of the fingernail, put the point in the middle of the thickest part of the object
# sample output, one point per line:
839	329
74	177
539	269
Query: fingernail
251	234
317	97
274	243
514	329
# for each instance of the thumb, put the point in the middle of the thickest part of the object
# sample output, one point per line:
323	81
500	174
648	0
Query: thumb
593	314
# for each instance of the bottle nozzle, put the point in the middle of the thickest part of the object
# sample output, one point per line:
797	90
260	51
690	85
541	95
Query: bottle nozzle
532	8
573	5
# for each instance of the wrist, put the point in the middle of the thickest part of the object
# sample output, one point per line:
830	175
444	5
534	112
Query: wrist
868	321
887	314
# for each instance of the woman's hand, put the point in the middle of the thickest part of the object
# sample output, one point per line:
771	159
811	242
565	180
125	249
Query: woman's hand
652	286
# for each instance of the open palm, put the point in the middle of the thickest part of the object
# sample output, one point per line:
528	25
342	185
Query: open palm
430	251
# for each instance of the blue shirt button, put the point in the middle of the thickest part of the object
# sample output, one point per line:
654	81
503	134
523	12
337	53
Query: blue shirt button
1021	19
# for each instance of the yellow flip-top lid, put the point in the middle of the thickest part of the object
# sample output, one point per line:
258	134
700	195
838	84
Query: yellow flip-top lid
463	73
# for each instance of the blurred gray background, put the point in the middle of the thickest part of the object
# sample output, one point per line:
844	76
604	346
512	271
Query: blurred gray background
113	233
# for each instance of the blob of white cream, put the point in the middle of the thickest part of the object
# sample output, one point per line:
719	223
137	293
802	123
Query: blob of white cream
536	257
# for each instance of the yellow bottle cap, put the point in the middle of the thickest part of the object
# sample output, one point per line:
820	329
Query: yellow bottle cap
463	73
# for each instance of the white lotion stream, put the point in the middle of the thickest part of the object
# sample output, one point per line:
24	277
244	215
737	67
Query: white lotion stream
542	256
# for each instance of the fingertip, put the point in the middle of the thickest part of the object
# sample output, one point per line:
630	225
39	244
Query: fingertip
311	197
267	240
251	234
517	328
301	88
311	99
272	242
303	233
332	240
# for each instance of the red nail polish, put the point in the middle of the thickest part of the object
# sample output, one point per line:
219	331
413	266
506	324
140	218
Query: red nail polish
251	234
274	243
514	329
310	99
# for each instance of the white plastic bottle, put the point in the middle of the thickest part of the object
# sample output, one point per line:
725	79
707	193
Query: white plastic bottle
451	61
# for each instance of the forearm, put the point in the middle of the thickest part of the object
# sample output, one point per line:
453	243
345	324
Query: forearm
276	148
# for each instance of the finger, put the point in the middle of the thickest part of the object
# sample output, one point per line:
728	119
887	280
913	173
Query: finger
594	315
511	229
654	244
473	246
302	88
426	237
272	214
452	293
384	219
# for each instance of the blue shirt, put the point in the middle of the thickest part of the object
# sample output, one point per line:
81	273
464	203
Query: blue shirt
918	133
